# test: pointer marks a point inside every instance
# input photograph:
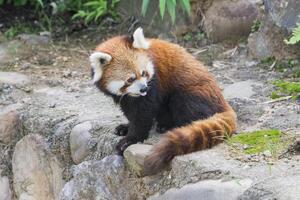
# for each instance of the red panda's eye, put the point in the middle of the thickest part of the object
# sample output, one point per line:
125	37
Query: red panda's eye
144	73
130	80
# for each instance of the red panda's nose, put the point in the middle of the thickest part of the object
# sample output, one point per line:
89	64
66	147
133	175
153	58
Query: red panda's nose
144	89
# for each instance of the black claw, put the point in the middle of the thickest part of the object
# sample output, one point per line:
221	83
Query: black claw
121	130
124	143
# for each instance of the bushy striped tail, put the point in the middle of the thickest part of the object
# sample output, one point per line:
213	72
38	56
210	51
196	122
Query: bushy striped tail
198	135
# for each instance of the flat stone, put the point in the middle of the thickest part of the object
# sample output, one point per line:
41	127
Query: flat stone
5	191
13	78
207	190
9	125
135	155
241	90
37	174
80	139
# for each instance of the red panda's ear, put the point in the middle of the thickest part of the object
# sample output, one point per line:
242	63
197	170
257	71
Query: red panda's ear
139	40
98	60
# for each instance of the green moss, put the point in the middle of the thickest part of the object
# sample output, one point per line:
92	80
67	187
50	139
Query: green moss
257	141
286	88
274	95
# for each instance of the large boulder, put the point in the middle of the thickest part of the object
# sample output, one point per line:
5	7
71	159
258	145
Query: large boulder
230	19
37	174
280	18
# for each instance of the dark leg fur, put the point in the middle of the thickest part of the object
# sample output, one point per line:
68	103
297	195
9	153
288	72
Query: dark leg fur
164	120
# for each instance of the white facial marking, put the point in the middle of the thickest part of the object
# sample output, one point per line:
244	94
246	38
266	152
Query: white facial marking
139	40
150	68
144	63
135	87
96	65
115	86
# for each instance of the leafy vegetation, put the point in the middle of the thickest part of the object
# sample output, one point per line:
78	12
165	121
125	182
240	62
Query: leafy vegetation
257	141
170	5
88	10
255	27
295	36
286	88
93	10
15	30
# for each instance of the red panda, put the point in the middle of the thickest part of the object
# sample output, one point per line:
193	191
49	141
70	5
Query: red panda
155	81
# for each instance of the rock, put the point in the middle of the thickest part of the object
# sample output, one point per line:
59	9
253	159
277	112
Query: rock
102	179
283	188
13	78
32	39
268	42
5	191
284	13
242	89
36	171
135	155
207	190
281	17
11	51
9	125
230	20
80	139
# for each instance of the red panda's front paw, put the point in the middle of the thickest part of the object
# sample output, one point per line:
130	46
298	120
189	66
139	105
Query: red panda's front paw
121	130
124	143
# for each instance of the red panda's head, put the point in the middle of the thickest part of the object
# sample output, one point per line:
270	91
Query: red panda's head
121	65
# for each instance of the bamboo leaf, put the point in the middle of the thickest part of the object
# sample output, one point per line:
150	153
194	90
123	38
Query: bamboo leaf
185	4
162	7
145	7
171	6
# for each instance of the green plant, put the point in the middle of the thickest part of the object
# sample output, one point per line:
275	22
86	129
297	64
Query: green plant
16	29
93	10
170	5
256	25
295	36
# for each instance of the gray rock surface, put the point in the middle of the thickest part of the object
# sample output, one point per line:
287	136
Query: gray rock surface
283	188
80	140
13	78
241	90
229	20
207	190
5	191
135	155
97	180
37	174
